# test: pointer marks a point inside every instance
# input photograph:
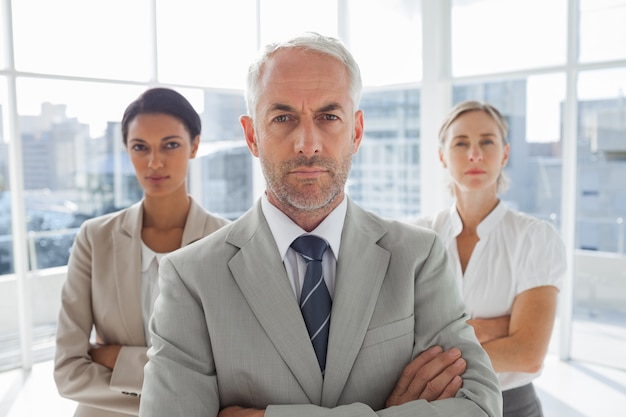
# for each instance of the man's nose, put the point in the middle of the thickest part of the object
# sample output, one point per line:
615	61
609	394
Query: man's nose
308	138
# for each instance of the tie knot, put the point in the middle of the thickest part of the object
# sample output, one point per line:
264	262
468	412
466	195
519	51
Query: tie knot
310	247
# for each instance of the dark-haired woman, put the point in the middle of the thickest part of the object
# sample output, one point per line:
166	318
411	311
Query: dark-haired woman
112	278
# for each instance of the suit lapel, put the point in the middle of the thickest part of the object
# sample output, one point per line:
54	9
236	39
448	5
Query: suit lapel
126	242
261	276
360	273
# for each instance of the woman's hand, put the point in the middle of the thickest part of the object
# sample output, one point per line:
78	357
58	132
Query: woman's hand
105	355
490	329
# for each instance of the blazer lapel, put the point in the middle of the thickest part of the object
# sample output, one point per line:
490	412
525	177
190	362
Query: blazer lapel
195	226
127	272
360	273
261	276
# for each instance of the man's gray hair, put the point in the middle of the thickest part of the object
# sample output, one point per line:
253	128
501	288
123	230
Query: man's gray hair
311	42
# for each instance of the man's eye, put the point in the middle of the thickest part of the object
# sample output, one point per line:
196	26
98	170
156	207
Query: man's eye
330	117
281	119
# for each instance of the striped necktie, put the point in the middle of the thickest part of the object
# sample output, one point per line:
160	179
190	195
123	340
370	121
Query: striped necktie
315	301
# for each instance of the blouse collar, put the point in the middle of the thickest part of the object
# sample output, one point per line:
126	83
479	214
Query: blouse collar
486	225
148	255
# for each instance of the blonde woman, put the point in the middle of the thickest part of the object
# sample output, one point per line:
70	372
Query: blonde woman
508	265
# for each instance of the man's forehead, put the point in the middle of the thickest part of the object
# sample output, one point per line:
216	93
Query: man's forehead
332	106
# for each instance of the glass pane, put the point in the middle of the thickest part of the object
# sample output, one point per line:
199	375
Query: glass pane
600	284
392	53
3	39
70	146
318	16
212	48
108	39
602	30
226	163
9	336
6	249
491	36
385	172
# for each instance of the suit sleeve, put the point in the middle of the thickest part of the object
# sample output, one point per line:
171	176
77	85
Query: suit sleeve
180	377
440	320
76	376
127	375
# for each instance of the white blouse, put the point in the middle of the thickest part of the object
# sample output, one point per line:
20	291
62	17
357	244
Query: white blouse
516	252
149	285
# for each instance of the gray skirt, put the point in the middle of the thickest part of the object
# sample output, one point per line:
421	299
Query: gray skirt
521	402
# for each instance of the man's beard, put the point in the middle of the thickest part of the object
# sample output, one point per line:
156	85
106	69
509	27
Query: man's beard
298	198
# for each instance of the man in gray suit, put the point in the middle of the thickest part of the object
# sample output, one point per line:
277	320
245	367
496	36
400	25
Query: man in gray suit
229	337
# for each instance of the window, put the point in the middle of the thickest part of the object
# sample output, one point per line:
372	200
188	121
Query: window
78	38
600	234
9	332
3	33
386	40
205	43
6	249
317	16
490	36
602	30
382	179
78	64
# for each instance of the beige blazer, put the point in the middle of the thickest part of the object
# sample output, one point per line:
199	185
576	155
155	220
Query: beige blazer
103	291
227	329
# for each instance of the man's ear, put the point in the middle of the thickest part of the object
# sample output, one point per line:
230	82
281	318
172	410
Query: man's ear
358	130
248	131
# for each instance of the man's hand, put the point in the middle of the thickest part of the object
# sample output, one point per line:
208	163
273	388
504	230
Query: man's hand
236	411
432	375
105	355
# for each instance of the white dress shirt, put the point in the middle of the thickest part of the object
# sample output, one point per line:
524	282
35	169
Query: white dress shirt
516	252
285	231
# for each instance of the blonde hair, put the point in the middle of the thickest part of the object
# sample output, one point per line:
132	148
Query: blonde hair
474	105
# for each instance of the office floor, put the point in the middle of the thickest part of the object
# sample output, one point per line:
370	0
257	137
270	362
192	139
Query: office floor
567	389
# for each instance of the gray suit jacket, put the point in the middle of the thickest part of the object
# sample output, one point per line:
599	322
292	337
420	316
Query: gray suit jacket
227	329
103	291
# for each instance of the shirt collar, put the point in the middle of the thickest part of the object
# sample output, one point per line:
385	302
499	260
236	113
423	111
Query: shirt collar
285	231
485	227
